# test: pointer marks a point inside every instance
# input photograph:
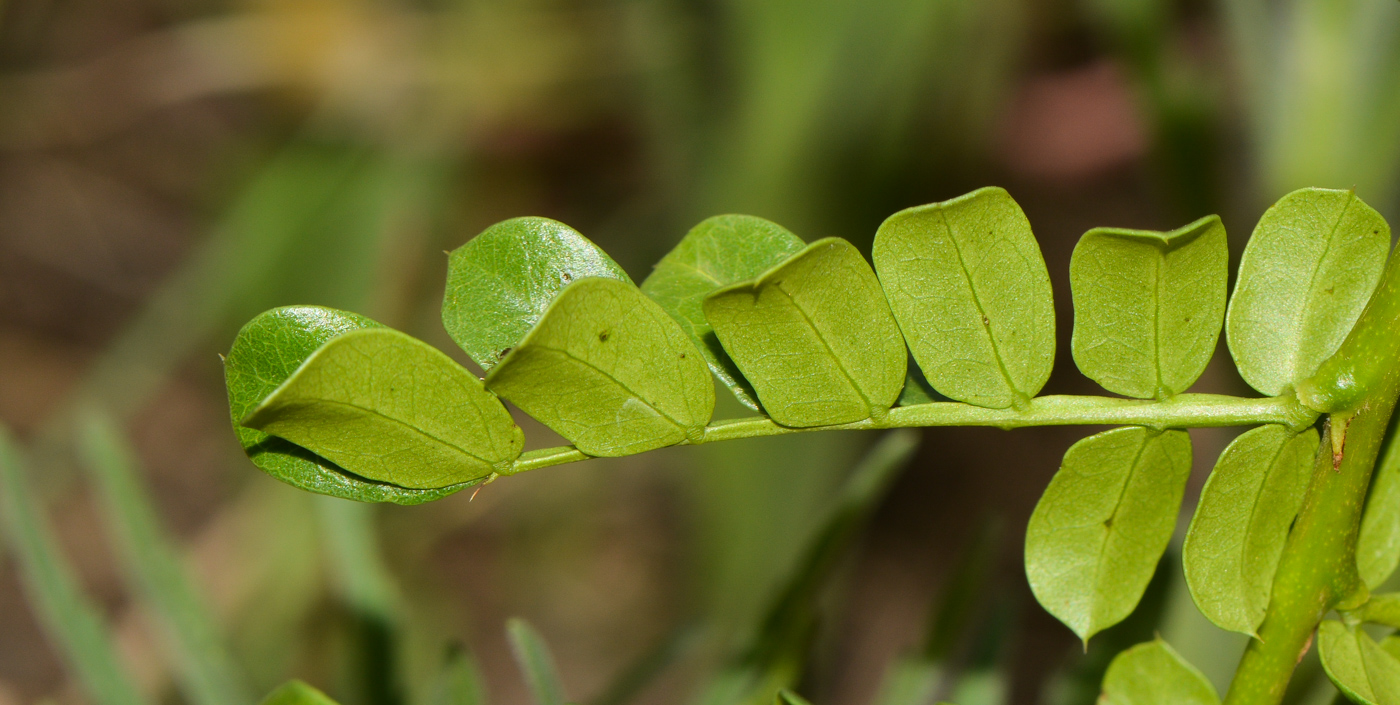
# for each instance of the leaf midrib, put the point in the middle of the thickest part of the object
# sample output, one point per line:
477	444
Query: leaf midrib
1016	393
635	395
1117	505
392	420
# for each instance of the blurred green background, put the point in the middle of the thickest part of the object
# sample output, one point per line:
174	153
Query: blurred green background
169	168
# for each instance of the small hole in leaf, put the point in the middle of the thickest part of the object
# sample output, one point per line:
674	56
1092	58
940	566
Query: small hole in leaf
603	337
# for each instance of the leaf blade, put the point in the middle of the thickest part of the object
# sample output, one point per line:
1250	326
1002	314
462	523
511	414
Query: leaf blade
1154	673
391	408
500	282
1308	270
1148	306
1095	536
1360	668
977	310
296	692
609	370
722	250
265	353
840	357
1378	545
1237	535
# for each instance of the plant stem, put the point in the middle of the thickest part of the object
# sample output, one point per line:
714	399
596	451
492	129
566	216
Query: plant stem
1182	411
1359	385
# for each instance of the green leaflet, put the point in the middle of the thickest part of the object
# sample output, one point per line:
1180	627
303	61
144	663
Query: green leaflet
1155	674
297	693
266	352
393	409
1359	667
535	661
1241	524
967	283
609	370
720	251
1097	533
1378	546
500	283
815	337
1148	306
1307	272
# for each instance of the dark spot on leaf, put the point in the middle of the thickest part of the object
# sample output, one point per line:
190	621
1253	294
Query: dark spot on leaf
1329	289
603	337
986	321
566	277
682	356
1188	319
504	353
1108	523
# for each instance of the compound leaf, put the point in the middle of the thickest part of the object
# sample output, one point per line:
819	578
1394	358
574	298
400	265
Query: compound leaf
815	336
609	370
1307	272
720	251
1155	674
266	352
500	282
1148	306
1097	533
969	288
1241	524
535	661
1359	667
297	693
391	408
1378	546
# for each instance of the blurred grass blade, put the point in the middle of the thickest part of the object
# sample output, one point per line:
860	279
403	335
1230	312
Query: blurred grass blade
72	622
460	682
787	697
363	581
915	678
775	658
653	662
535	661
155	571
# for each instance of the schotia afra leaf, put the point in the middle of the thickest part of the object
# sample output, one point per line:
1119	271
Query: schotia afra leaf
265	353
1148	306
391	408
297	693
722	250
1304	277
1366	672
1378	545
815	337
500	282
609	370
967	283
1237	535
1153	673
1095	537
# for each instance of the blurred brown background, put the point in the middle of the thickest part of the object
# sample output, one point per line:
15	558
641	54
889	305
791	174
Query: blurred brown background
169	168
